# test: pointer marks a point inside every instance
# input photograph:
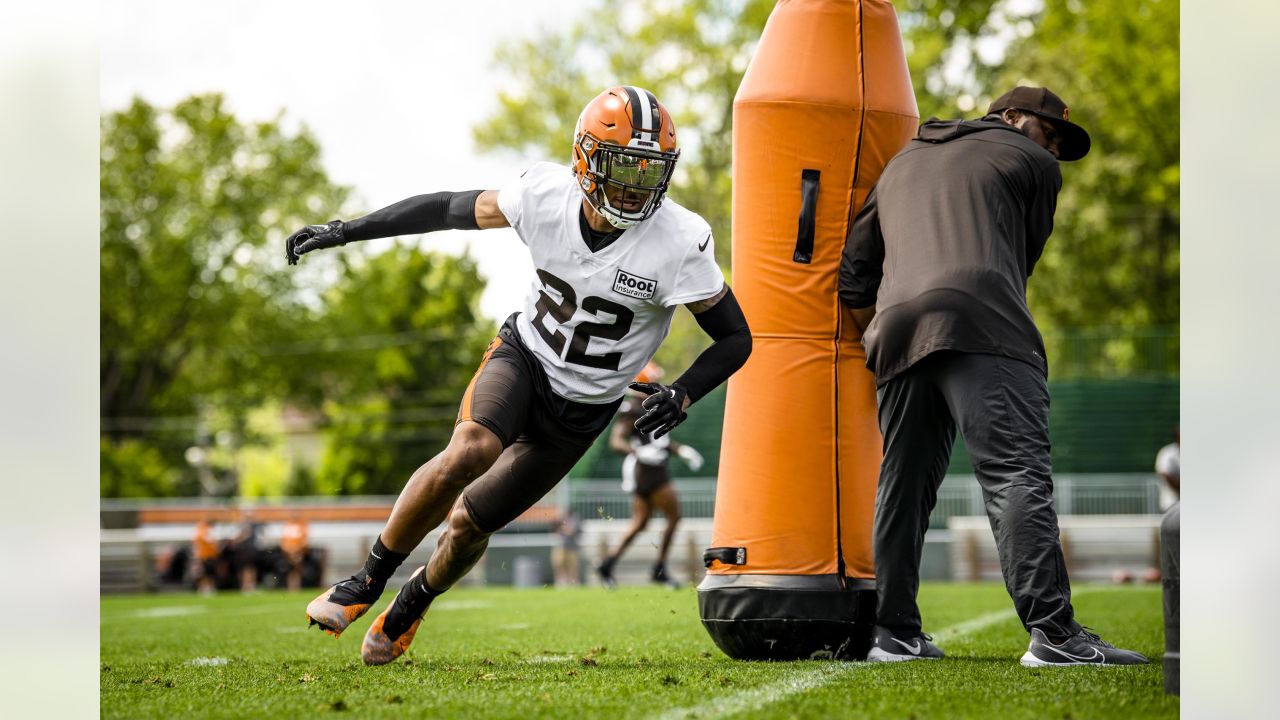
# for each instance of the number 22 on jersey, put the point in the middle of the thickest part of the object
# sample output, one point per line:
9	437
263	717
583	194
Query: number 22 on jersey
563	312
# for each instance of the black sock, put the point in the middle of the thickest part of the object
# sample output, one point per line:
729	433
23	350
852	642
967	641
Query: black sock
382	562
417	593
416	596
412	602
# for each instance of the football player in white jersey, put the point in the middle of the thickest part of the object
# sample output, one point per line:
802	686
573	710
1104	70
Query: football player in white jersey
614	257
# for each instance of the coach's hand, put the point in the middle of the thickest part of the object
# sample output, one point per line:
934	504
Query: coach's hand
314	237
664	408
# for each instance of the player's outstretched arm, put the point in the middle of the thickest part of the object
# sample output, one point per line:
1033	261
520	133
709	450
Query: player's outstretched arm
469	210
721	317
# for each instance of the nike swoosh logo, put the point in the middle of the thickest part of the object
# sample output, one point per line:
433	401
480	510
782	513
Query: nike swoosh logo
1079	658
914	648
703	246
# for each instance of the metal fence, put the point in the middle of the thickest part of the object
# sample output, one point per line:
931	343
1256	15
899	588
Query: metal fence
600	499
137	532
960	495
605	500
1119	494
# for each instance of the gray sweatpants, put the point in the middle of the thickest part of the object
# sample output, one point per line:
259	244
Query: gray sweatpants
1001	406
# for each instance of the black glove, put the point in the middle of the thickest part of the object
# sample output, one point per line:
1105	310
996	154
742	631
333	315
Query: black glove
664	408
314	237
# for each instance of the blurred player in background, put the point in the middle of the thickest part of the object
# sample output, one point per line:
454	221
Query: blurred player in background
566	556
294	546
614	260
248	551
1169	468
206	555
645	476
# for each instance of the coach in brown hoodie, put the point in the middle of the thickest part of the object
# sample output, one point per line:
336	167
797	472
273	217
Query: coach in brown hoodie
935	269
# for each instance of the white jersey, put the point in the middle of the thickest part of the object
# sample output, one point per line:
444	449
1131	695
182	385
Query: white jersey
594	319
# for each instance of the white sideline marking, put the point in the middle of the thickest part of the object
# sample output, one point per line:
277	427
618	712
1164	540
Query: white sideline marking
161	612
514	626
538	659
277	606
803	681
207	661
759	697
184	610
460	604
978	623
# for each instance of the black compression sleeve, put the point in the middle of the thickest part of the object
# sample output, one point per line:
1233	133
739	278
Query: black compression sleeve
727	326
418	214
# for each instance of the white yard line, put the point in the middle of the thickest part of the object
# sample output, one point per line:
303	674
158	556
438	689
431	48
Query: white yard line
759	697
269	606
805	680
183	611
157	613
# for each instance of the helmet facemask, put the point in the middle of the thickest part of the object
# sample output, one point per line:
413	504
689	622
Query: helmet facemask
625	184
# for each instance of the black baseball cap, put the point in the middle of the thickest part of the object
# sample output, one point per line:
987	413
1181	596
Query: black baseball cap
1040	101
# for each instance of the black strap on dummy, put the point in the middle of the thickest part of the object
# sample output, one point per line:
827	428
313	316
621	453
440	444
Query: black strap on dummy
808	216
726	555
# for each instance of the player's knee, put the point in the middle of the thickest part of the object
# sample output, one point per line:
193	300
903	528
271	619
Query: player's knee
472	451
463	529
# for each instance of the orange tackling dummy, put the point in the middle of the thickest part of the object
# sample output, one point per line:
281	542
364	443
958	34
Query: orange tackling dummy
825	103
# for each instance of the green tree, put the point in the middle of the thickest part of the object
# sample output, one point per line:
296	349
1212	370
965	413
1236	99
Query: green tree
133	469
194	207
413	337
1113	259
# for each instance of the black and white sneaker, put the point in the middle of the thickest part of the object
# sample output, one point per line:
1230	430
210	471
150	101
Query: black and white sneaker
344	603
1083	648
888	647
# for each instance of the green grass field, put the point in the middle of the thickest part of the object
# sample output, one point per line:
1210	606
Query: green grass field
586	653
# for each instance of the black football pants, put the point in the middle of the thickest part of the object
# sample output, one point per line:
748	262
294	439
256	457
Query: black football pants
1001	406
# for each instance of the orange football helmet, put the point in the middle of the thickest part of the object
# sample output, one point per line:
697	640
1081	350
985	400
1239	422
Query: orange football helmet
624	151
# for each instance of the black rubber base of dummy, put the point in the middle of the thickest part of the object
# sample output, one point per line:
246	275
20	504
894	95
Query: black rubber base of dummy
788	617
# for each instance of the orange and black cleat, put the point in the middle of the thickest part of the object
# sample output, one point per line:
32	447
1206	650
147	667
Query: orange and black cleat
344	603
392	631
